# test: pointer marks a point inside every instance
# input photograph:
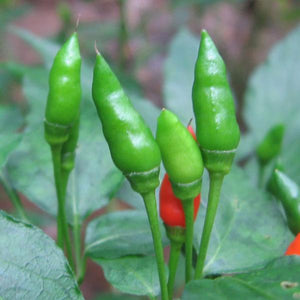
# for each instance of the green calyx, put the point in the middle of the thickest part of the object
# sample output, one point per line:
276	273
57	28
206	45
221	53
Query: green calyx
270	146
181	156
287	191
175	233
64	96
131	143
69	148
217	132
56	134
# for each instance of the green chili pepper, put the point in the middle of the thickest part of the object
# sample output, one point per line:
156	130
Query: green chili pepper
62	113
64	96
183	162
181	156
217	132
270	146
132	147
287	191
131	143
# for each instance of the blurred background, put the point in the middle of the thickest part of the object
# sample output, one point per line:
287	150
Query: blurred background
135	36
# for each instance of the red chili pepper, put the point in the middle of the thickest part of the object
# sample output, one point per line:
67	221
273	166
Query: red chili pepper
171	210
294	247
192	132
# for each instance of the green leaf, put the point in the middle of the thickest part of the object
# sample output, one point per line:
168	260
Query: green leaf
8	142
10	119
249	230
32	266
279	280
274	88
132	274
119	234
35	89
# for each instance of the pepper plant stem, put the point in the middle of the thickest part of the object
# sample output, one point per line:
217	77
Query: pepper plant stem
150	204
216	180
13	196
62	225
173	263
188	206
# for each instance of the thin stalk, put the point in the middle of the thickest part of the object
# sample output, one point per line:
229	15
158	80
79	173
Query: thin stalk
215	185
188	206
173	264
62	225
64	177
150	204
13	196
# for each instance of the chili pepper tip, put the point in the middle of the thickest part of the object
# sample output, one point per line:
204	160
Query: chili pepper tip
77	22
190	122
96	49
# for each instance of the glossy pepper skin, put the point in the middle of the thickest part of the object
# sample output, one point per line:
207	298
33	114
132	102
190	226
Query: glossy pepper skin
288	193
217	131
180	154
294	247
131	143
170	207
270	146
63	103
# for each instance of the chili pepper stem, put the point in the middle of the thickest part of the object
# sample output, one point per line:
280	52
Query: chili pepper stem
62	226
188	206
216	181
173	263
150	204
13	196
